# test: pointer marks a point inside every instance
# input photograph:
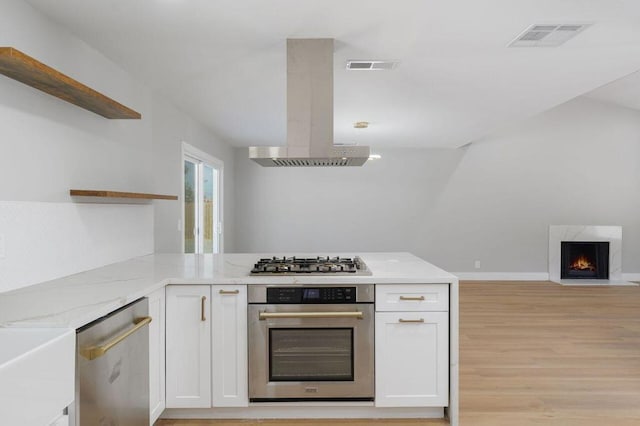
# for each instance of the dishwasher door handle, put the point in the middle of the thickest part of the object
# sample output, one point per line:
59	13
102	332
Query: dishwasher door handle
268	315
93	352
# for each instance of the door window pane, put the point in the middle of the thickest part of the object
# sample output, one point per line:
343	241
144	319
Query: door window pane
208	208
310	354
190	210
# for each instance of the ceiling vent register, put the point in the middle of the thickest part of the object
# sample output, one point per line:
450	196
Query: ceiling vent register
370	65
548	35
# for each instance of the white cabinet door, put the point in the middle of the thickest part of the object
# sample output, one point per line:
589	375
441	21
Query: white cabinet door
412	359
188	348
156	354
229	346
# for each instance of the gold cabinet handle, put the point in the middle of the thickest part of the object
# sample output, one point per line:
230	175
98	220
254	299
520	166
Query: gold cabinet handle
93	352
202	301
421	320
419	298
229	291
267	315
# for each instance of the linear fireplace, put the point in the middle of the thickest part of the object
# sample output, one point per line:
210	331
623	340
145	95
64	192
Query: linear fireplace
600	266
584	260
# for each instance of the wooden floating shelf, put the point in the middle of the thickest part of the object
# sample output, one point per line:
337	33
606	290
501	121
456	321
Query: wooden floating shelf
34	73
116	194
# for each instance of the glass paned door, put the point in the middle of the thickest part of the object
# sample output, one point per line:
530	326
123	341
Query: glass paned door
202	223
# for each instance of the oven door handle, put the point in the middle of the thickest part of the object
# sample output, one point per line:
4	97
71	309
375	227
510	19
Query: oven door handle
268	315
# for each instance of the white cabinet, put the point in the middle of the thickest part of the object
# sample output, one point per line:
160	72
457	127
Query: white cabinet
37	374
229	346
412	347
188	346
156	354
412	359
206	346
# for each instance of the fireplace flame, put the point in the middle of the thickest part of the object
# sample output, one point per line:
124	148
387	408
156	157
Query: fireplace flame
581	263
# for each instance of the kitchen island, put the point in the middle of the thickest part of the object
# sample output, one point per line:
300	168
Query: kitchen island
74	301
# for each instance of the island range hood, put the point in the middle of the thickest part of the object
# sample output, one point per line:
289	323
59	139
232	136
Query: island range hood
309	113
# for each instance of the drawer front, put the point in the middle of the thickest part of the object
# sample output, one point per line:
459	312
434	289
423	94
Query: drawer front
412	297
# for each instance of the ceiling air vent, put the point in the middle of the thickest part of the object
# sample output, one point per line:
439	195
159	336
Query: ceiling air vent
548	35
361	65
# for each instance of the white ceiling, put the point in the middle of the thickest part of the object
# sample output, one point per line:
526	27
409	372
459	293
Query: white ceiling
224	61
624	92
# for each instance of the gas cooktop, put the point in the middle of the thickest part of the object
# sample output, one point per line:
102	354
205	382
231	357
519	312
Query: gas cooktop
319	265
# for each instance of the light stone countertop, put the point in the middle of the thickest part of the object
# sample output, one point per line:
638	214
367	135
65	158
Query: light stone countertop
76	300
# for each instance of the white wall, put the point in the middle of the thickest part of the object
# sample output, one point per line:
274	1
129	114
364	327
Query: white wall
378	207
170	127
49	146
492	201
48	240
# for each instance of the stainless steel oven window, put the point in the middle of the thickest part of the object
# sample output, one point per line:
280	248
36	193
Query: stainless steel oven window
265	317
311	354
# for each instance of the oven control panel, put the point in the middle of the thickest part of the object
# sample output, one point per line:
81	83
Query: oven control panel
298	295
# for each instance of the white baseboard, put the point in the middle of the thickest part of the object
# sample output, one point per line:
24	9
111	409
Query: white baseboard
631	277
308	410
502	276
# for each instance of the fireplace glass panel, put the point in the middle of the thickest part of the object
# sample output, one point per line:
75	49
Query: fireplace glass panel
584	260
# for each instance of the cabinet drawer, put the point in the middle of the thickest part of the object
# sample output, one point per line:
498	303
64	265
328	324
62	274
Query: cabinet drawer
412	297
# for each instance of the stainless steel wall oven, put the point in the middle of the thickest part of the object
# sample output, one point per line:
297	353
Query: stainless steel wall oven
311	342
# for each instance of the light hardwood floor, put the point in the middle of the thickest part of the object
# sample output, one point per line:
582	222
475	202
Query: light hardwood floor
535	353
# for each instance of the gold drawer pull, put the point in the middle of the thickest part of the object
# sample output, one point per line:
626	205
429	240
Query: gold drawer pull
229	291
94	352
202	316
419	299
421	320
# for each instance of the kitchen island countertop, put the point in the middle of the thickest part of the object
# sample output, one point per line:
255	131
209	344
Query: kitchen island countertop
78	299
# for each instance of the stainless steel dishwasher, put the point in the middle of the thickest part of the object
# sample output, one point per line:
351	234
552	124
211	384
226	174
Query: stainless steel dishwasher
112	369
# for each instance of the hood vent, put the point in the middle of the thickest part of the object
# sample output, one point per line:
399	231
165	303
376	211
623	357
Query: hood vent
309	113
312	162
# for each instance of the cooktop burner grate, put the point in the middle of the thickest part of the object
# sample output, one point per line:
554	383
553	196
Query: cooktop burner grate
305	265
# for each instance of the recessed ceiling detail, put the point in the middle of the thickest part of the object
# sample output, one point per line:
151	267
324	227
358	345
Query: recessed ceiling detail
548	35
364	65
